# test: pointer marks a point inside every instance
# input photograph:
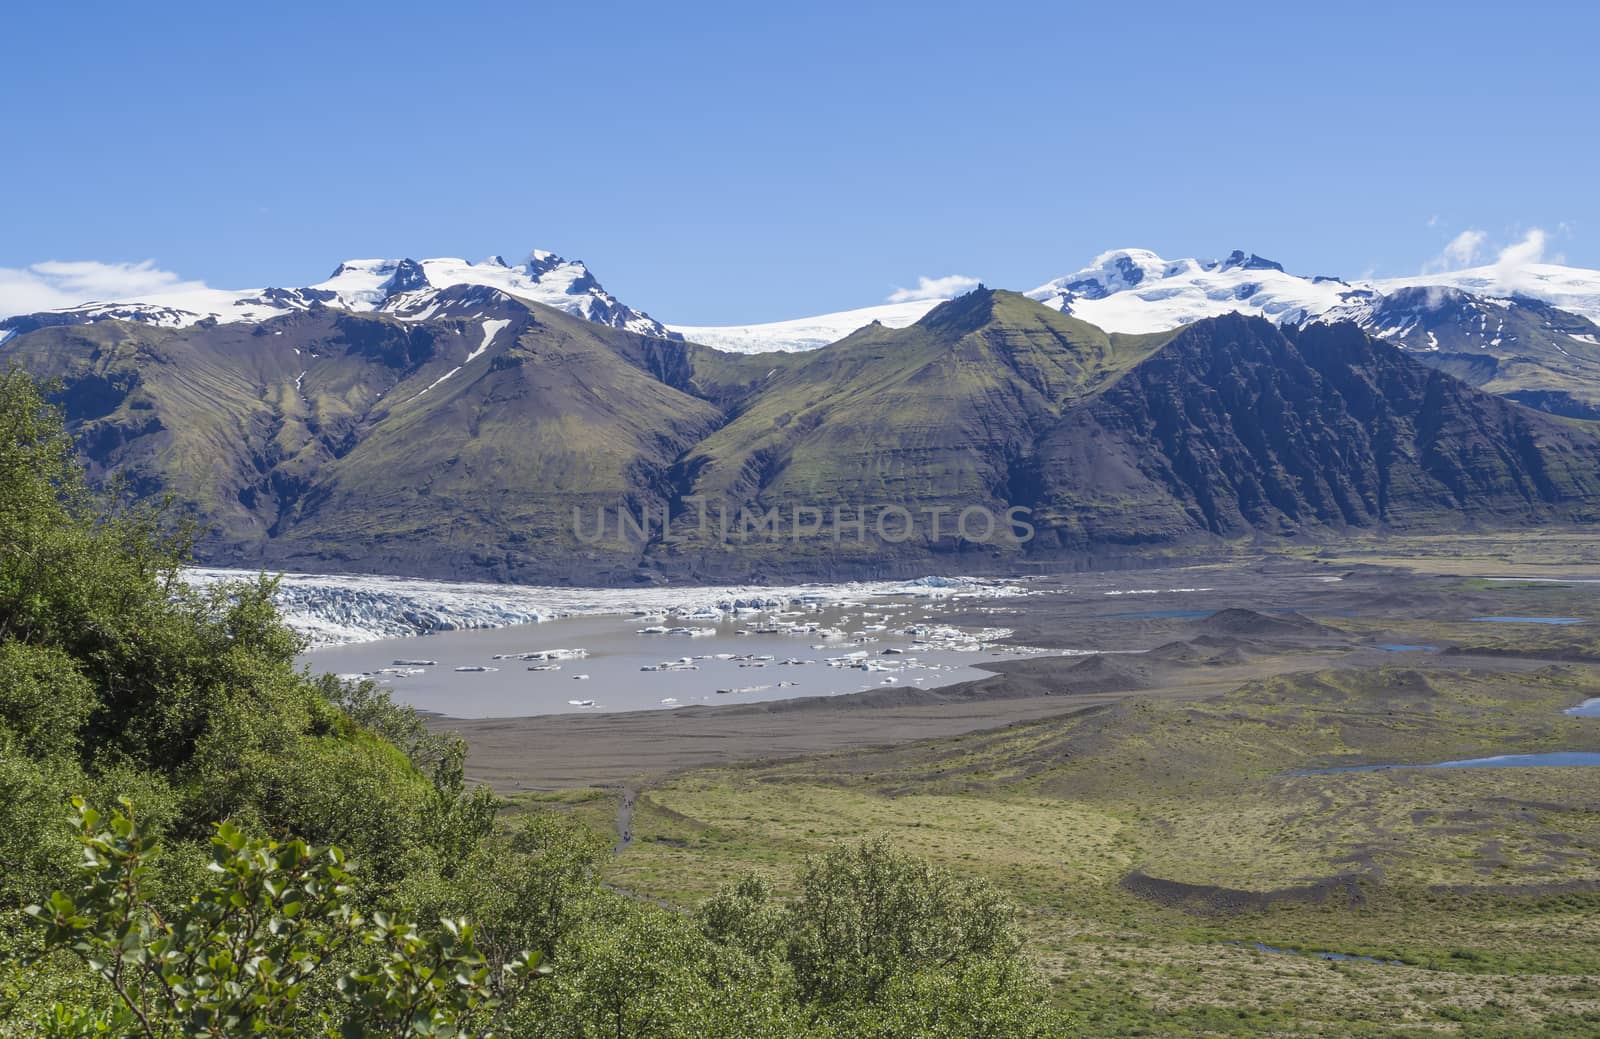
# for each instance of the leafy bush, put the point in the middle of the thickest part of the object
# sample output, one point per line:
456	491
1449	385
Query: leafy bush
879	943
243	954
44	700
865	915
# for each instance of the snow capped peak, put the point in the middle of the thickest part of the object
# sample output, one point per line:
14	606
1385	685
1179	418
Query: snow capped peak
1237	259
363	284
1136	290
1114	271
409	276
540	263
381	285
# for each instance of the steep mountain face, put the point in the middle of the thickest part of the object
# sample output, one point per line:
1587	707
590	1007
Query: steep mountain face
1236	426
483	466
406	288
932	419
332	441
491	437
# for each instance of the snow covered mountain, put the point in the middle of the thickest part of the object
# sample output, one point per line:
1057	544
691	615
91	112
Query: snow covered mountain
1573	289
408	289
1134	290
1138	291
1125	290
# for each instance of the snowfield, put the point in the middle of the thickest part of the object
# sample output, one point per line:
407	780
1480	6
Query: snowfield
807	333
1136	291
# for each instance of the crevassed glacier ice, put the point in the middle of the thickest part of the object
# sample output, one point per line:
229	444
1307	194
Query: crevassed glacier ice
333	609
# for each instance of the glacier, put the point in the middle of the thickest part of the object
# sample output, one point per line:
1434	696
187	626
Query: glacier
337	609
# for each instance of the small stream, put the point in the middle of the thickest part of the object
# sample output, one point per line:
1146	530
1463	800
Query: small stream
1552	759
1529	620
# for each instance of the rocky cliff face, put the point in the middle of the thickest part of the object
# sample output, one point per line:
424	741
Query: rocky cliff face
1235	427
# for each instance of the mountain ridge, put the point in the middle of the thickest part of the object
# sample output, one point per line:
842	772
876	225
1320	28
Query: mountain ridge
485	438
1121	290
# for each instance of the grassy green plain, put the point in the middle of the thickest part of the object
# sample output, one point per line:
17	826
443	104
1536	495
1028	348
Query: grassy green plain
1151	843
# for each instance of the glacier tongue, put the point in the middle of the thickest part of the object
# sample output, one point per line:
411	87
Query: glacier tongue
807	333
332	609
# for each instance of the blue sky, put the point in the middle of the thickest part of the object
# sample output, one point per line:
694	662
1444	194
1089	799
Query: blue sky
719	163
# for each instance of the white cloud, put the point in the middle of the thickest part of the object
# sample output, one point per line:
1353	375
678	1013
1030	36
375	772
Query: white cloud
54	284
1461	251
1513	259
1509	262
935	288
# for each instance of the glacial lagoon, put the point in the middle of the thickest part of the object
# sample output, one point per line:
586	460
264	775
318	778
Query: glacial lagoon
627	663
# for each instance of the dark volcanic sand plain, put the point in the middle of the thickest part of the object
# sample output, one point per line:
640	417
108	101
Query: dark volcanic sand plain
1188	632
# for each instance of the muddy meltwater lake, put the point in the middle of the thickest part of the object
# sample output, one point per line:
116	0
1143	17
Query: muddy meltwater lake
628	663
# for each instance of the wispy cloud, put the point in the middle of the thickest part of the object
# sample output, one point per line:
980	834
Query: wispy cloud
65	283
935	288
1464	248
1511	264
1461	251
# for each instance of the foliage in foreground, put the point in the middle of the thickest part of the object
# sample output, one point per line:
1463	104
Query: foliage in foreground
877	944
242	955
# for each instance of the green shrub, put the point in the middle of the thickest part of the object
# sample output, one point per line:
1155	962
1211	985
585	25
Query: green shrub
45	701
242	955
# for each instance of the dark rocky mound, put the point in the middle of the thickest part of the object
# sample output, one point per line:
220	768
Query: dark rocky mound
1210	650
1239	622
1103	674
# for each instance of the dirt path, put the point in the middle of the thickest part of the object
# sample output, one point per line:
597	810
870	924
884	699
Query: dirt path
625	819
